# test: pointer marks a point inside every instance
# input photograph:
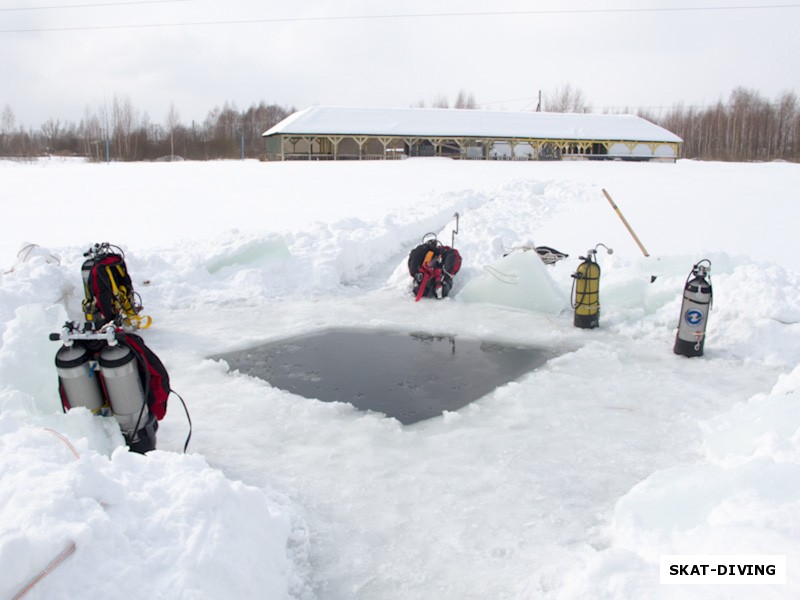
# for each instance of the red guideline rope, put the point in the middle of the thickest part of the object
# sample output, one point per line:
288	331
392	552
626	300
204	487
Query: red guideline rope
66	551
53	564
65	440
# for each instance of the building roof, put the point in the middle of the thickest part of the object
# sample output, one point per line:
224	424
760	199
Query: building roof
441	122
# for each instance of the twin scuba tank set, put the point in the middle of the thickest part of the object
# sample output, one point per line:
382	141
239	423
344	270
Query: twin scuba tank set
103	366
107	372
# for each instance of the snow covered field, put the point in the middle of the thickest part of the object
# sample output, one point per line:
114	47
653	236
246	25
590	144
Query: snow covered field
570	482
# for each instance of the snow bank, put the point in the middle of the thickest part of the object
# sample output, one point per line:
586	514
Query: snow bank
743	498
160	526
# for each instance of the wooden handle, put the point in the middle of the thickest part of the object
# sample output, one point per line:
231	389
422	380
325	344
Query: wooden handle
625	222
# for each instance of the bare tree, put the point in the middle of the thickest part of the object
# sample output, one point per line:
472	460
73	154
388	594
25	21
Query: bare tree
124	121
566	99
788	115
7	121
440	101
92	130
173	120
104	120
256	120
465	100
51	130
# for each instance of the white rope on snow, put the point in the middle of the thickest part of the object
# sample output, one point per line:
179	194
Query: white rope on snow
509	278
27	253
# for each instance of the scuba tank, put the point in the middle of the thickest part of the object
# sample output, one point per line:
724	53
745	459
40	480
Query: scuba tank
127	397
697	300
586	290
79	382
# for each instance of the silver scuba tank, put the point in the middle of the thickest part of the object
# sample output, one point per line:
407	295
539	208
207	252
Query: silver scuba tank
697	297
79	382
124	388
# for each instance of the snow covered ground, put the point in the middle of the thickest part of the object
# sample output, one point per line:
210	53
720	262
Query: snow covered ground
570	482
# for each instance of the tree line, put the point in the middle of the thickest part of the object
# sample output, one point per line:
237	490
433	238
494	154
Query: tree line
117	131
746	127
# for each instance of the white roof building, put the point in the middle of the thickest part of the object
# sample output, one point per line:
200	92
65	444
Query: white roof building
324	132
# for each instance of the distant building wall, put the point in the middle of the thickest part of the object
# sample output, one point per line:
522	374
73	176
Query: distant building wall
327	147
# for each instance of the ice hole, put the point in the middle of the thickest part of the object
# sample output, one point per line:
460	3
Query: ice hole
408	376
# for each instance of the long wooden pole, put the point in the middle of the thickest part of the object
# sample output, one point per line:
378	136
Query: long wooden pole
625	222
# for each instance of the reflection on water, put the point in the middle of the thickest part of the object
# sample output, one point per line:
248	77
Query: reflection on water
410	377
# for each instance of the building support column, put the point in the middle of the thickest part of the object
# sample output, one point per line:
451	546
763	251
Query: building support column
385	141
335	140
360	140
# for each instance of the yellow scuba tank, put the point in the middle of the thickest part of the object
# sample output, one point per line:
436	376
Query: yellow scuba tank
586	290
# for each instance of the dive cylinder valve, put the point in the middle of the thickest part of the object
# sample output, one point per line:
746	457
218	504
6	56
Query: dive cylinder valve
697	300
586	290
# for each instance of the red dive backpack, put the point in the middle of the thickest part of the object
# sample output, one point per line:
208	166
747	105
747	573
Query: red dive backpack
108	289
433	265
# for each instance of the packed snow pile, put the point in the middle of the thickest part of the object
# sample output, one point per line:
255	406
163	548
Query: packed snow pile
569	482
743	498
161	526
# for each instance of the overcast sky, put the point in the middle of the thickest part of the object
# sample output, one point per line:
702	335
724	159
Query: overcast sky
58	57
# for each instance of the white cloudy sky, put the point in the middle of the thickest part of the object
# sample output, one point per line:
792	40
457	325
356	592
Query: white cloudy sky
59	56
